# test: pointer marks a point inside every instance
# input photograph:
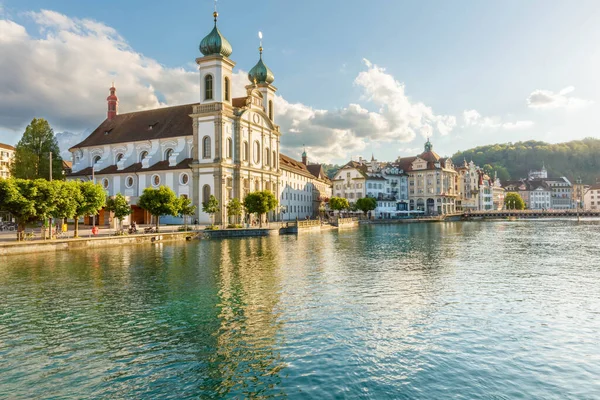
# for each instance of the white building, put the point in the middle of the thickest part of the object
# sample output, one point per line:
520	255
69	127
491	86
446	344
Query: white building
540	195
221	146
591	198
7	155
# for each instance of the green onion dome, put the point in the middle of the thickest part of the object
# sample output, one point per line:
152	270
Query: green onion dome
215	43
260	73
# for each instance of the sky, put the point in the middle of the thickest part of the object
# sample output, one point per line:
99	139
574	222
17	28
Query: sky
354	78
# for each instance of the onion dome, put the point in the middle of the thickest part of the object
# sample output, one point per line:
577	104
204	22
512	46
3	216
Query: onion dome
215	43
260	73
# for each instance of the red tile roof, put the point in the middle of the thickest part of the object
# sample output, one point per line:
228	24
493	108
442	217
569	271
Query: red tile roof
7	147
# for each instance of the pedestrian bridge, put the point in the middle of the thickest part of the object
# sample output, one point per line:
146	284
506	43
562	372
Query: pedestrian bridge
530	214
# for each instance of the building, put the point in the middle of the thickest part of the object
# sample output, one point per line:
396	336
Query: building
350	181
7	155
591	198
431	182
221	146
541	174
467	189
562	193
578	193
540	194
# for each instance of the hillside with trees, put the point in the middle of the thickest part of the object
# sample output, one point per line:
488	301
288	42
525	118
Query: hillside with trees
575	159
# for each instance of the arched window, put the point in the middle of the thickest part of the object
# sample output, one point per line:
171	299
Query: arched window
245	151
206	147
229	148
208	87
267	156
256	186
119	157
271	110
143	155
129	182
256	152
274	159
155	180
168	154
184	178
96	160
205	193
226	89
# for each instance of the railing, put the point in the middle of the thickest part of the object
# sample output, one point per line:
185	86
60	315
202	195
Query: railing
308	223
349	220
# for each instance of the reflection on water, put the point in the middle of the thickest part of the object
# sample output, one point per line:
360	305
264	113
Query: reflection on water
465	310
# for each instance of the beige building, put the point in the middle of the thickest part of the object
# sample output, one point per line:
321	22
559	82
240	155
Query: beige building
432	182
7	155
591	198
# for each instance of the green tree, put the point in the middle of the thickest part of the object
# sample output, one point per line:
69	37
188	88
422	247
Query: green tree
161	201
260	203
187	209
27	200
234	209
366	204
211	207
338	203
67	199
32	154
119	206
90	200
513	201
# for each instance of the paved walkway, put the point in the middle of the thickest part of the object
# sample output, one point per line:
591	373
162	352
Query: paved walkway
85	231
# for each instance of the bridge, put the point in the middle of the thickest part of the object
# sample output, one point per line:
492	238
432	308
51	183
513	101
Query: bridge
503	214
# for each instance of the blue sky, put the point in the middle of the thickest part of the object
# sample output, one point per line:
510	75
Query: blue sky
473	72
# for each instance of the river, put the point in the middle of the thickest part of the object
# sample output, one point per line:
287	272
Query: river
473	310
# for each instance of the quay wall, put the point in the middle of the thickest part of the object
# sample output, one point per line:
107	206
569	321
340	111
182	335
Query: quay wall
233	233
39	246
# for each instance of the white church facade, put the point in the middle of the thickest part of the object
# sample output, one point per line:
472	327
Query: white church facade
221	146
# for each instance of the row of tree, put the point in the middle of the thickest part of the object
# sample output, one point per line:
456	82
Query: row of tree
364	204
260	203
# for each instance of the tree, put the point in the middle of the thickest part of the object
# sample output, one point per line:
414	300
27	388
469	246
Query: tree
32	154
513	201
90	200
338	203
211	207
234	209
366	204
67	199
119	206
186	208
161	201
27	200
260	203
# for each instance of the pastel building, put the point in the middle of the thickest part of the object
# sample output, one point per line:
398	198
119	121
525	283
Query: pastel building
7	155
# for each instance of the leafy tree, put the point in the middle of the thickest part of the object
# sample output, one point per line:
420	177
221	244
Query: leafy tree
513	201
67	199
90	200
32	154
161	201
119	206
234	209
260	203
27	200
338	203
186	208
211	207
366	204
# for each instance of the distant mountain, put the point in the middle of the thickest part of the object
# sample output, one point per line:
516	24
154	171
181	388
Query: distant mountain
68	139
575	159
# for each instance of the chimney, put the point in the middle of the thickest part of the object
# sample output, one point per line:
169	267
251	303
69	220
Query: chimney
113	103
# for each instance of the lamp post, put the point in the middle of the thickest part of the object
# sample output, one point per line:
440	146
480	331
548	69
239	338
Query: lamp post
94	181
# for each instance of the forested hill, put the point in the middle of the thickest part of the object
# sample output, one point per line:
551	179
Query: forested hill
575	159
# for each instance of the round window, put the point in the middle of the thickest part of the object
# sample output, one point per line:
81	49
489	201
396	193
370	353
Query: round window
105	183
184	179
155	180
129	181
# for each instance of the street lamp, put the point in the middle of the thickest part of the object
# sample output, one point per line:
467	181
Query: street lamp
94	181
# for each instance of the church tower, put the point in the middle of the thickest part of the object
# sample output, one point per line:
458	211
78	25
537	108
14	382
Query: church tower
215	67
261	76
113	103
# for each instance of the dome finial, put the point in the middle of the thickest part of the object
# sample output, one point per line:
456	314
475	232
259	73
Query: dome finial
260	72
215	14
215	43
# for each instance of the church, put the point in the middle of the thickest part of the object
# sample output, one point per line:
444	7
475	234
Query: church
222	146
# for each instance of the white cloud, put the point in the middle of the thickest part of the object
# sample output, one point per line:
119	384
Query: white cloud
472	118
547	99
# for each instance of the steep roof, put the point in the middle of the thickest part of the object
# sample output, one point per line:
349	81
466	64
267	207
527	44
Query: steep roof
6	146
318	172
297	166
159	123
